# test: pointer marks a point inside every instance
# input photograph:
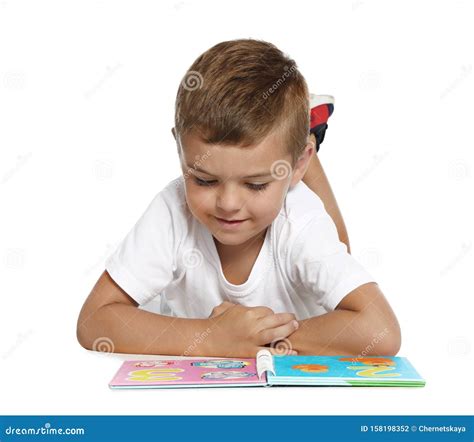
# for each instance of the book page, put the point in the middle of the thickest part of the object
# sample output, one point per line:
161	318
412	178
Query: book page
344	370
225	371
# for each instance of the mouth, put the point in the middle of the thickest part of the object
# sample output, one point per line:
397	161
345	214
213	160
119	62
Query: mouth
230	223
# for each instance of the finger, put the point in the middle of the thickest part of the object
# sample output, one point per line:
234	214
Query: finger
276	320
227	304
278	333
226	307
221	308
262	311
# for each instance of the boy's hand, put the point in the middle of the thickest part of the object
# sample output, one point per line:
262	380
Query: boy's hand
241	331
221	308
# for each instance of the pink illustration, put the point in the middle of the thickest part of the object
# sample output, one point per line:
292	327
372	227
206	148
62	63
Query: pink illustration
153	363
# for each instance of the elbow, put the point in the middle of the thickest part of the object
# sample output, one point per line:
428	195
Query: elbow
84	330
392	341
102	344
81	335
83	342
383	339
93	332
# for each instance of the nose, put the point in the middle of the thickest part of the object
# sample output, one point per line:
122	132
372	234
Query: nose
228	199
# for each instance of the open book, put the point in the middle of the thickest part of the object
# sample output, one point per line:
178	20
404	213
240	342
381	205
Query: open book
267	370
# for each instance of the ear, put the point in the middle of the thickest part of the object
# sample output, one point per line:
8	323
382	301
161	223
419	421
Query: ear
302	163
173	131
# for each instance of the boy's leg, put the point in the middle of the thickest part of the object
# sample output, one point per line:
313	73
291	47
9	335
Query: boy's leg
322	107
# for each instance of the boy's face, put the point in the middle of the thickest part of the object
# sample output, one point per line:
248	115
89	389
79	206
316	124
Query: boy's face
248	184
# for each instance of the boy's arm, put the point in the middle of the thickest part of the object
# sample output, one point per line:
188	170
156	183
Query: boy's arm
111	321
316	179
362	324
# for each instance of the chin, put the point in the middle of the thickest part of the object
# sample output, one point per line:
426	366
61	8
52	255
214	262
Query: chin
229	239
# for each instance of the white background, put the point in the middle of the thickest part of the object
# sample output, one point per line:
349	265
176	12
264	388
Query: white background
87	92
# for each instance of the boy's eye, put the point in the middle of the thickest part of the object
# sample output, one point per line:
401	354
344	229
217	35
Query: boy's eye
251	186
257	186
204	182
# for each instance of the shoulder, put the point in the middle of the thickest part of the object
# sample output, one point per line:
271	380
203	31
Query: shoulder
172	199
173	194
301	202
304	230
301	206
303	227
168	209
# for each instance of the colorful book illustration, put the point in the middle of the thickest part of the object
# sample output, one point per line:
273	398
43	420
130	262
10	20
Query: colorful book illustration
267	370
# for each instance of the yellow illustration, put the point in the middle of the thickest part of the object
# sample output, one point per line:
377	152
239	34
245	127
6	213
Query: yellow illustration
369	361
157	374
372	366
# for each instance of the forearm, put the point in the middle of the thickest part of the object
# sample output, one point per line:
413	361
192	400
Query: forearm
124	328
342	332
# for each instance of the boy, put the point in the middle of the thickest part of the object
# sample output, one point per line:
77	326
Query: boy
240	252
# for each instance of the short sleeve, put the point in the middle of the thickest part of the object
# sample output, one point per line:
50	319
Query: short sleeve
320	264
144	262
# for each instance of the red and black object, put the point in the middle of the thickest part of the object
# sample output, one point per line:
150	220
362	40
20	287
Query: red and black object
320	114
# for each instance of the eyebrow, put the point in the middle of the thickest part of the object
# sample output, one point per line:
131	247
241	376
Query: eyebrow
255	175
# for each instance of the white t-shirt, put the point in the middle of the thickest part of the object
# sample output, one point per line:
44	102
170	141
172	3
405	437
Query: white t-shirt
168	263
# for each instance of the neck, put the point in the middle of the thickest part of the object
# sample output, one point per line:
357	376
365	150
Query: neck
255	242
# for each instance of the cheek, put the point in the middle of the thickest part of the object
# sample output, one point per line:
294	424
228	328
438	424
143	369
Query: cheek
199	200
267	205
